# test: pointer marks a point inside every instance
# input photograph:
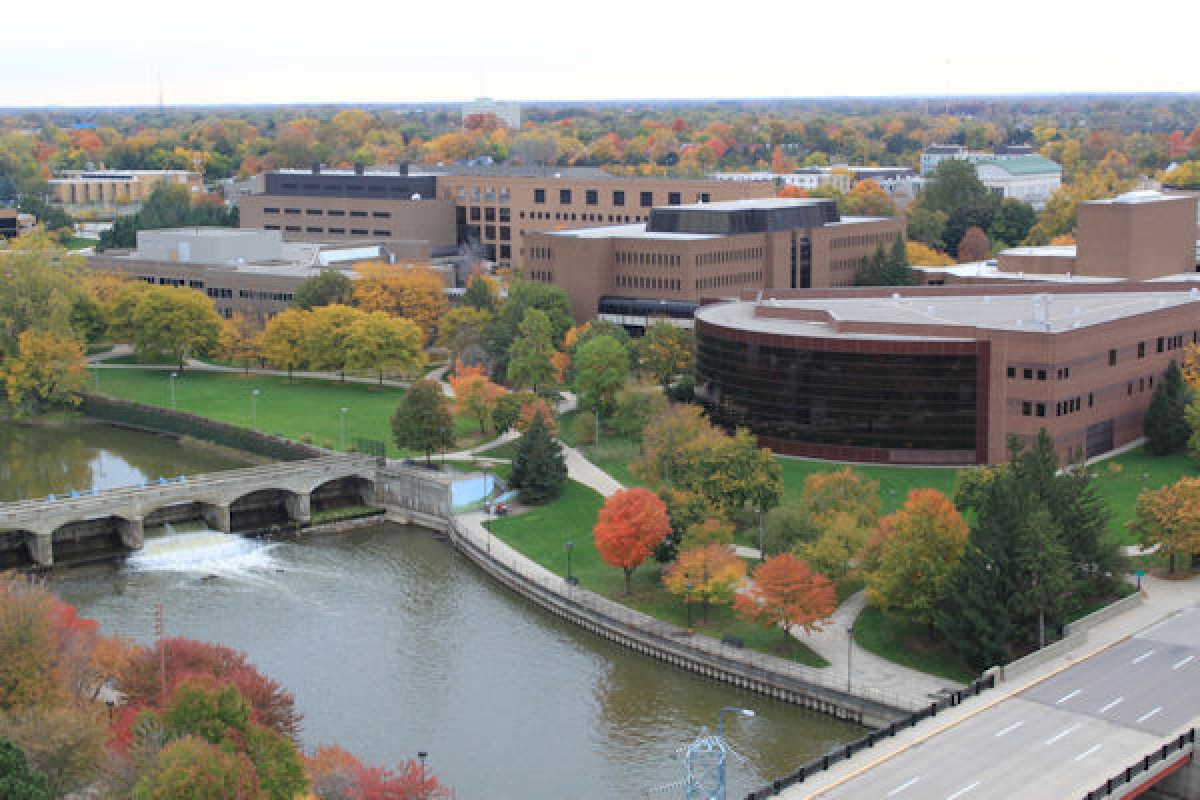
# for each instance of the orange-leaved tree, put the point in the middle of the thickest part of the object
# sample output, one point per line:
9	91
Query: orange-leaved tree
785	592
475	395
632	522
1169	517
710	574
333	772
416	292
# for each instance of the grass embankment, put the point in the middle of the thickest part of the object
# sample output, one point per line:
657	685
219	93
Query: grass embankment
898	637
541	534
305	409
344	513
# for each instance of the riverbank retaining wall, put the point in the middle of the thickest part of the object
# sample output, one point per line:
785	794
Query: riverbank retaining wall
757	672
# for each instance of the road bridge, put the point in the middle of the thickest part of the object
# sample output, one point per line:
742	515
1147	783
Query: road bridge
1110	725
218	496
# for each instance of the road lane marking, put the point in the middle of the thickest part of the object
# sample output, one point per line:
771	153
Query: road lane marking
1066	697
963	791
1061	734
1180	663
1149	714
902	787
1143	657
1087	752
1112	704
1010	728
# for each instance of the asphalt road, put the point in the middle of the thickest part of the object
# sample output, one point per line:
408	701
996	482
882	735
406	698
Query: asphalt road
1061	737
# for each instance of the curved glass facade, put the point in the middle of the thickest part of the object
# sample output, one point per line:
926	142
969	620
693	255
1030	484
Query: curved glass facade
797	393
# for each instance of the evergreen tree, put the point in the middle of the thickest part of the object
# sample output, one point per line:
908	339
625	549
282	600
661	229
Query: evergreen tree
18	780
538	468
1166	425
873	269
898	272
422	420
328	287
480	295
1043	571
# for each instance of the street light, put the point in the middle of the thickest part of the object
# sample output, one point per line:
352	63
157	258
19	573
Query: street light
174	375
761	553
571	579
849	655
342	436
688	602
741	712
421	755
254	410
1145	477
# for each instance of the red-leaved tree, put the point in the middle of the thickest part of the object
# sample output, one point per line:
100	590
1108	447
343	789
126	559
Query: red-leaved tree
335	774
632	522
785	592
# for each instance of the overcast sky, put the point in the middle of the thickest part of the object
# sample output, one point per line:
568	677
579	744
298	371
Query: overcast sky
71	52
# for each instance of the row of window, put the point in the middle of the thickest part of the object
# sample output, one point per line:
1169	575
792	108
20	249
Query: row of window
487	195
733	279
333	231
329	212
543	275
489	214
840	264
489	233
565	216
591	197
648	259
541	252
259	294
349	188
648	282
862	240
727	256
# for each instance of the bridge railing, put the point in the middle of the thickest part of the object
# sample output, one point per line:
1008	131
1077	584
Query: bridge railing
1185	740
873	738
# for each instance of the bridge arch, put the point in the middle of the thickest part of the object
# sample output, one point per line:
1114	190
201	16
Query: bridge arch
266	507
346	490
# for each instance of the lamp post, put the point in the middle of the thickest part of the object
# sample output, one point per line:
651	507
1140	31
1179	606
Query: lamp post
254	410
342	430
571	579
1145	477
174	375
688	602
422	755
892	498
761	553
849	656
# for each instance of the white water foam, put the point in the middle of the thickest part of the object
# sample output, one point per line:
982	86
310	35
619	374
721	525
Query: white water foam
207	552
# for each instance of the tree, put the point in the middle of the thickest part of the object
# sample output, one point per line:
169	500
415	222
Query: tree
666	352
601	369
46	371
867	199
529	356
284	340
475	396
956	191
924	256
1043	571
636	406
927	227
538	468
784	592
337	775
40	285
461	332
193	769
18	780
787	528
327	338
886	267
422	420
328	287
534	406
1169	518
1166	423
382	342
522	296
925	542
508	409
63	742
480	295
416	292
974	245
238	341
738	474
631	524
709	573
1012	222
175	320
168	206
705	532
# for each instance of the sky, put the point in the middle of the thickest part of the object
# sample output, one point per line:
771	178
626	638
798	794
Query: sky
265	51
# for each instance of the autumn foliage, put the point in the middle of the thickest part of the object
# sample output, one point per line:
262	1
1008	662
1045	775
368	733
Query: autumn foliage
335	774
475	395
784	592
632	522
710	574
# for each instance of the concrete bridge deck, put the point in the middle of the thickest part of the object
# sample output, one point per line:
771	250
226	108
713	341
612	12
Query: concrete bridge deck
1061	736
215	493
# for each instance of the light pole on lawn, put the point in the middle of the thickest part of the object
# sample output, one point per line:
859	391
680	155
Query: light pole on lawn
571	579
849	655
174	375
254	410
342	430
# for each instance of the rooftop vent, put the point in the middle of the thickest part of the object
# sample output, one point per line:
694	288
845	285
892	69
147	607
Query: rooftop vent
316	168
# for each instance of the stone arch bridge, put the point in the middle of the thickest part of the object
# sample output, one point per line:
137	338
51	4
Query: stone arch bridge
217	497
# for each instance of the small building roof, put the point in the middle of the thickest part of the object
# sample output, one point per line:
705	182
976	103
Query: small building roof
1022	165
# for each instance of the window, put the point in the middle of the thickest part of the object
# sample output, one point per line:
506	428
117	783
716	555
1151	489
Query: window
270	210
1112	358
618	198
358	213
1028	374
1026	408
489	215
314	212
539	195
337	230
1012	372
704	197
489	231
381	214
505	251
381	233
647	199
505	215
674	198
505	233
591	197
291	211
358	231
564	197
1141	349
1041	409
1160	344
311	229
1041	374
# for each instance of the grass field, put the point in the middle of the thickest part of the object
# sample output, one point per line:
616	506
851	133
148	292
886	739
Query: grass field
898	637
542	533
305	407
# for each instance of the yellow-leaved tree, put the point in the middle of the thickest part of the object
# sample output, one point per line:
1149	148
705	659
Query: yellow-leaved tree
710	573
416	292
283	342
47	370
475	396
382	342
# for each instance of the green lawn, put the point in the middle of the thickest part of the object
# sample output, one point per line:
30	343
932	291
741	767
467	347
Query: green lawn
1122	478
304	409
896	636
541	534
79	243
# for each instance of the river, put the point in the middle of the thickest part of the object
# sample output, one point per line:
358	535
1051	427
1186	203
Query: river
394	644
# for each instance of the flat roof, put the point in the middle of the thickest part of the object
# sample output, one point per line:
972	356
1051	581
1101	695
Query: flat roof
1137	197
765	203
1033	312
1057	250
631	231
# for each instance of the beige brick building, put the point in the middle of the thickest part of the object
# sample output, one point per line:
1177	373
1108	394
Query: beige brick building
115	188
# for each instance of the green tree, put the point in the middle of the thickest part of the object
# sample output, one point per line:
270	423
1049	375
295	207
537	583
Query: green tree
382	342
529	356
18	780
1166	422
601	369
284	340
480	295
40	288
927	227
327	337
508	409
1043	571
636	406
175	320
166	207
788	528
522	296
957	192
192	769
327	287
538	468
422	420
1012	223
666	352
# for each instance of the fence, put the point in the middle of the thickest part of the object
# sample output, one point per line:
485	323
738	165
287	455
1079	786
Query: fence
1187	739
871	739
1104	614
775	677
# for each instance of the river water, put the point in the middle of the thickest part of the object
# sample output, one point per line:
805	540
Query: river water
394	644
